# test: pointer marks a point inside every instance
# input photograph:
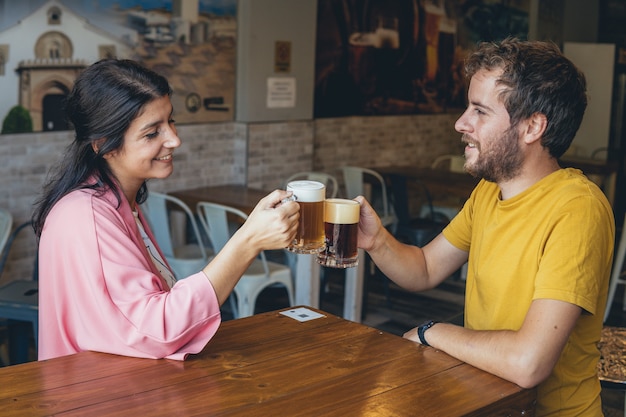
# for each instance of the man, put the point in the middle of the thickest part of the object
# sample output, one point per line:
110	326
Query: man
538	239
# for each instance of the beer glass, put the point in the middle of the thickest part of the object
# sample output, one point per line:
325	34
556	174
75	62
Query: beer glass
310	196
341	224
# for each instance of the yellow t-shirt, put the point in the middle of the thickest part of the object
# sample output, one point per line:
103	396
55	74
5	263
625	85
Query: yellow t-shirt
554	240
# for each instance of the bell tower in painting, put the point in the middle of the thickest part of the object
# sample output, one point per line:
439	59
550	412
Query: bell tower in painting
45	81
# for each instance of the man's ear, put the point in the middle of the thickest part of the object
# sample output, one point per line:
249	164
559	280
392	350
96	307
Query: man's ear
536	126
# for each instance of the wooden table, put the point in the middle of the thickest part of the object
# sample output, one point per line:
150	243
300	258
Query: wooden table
240	197
267	365
307	274
440	182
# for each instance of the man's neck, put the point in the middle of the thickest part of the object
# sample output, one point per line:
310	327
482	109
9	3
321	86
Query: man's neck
530	174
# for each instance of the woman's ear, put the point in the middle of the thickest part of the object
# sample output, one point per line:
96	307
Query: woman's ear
96	144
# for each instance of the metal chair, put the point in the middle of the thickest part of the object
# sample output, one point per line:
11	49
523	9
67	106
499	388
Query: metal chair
260	274
617	274
355	183
455	163
164	213
332	187
6	222
415	230
370	184
19	299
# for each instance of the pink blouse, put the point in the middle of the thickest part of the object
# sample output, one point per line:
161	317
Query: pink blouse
100	291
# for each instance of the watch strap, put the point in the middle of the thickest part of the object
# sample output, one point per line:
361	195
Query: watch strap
422	329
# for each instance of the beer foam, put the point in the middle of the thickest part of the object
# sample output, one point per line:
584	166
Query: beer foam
341	211
307	191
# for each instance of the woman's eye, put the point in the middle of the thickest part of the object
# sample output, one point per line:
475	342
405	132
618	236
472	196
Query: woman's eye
153	134
172	121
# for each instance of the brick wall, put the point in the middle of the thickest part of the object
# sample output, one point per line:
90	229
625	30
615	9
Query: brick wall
277	150
210	154
262	155
383	141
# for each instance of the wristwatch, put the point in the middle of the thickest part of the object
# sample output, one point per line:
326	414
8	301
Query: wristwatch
421	329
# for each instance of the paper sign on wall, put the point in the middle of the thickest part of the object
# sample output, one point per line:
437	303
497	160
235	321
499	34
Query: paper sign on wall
281	92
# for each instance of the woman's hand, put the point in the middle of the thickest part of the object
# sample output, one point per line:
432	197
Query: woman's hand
273	222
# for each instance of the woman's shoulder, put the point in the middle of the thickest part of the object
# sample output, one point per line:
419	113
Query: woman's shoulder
87	196
85	199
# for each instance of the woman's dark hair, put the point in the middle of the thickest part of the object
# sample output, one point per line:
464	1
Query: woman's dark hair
106	97
538	79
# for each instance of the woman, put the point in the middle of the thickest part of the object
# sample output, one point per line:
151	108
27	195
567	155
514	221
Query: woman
100	288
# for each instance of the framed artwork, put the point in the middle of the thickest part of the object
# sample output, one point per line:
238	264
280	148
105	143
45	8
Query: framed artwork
44	44
382	57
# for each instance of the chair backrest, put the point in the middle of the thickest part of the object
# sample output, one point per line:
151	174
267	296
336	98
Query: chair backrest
354	179
399	191
6	223
407	193
7	242
600	153
157	213
214	219
328	180
455	163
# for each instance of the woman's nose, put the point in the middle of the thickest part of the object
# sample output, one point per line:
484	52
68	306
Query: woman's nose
173	141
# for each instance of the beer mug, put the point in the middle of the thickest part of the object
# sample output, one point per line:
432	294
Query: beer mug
341	224
310	196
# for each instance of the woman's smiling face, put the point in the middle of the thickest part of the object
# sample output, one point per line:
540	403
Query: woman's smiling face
148	147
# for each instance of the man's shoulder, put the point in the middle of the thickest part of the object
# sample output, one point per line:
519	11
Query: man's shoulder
573	183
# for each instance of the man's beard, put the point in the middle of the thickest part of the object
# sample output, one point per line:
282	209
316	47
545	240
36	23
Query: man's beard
501	161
